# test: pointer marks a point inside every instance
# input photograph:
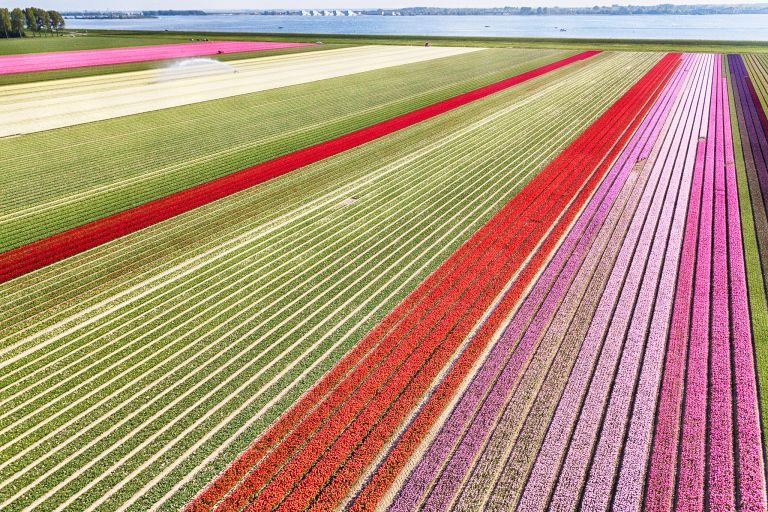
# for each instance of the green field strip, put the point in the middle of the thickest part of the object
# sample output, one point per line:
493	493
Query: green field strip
346	307
92	39
757	66
753	221
65	286
72	179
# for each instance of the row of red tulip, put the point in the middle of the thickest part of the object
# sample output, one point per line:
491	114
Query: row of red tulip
427	292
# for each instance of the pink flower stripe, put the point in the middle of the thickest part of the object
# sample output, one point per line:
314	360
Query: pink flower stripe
721	358
638	442
26	63
651	314
547	465
721	471
663	462
690	488
626	326
62	245
365	356
552	284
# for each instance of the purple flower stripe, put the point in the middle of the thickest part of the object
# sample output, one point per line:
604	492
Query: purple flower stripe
752	484
652	312
571	250
661	477
664	458
636	298
544	472
755	131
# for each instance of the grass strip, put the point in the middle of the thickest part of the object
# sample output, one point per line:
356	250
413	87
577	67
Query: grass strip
57	247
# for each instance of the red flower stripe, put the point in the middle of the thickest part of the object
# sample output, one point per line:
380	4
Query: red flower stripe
478	297
233	473
409	441
62	245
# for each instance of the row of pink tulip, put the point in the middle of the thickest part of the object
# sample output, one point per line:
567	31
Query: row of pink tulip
26	63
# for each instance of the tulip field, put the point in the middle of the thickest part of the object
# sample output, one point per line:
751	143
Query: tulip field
474	279
40	106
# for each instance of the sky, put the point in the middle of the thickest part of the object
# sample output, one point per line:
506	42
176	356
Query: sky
64	5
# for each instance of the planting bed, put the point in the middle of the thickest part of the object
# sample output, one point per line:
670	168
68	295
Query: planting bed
54	104
60	179
625	377
506	280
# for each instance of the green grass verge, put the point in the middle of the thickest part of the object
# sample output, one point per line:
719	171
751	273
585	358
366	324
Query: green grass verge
188	145
153	398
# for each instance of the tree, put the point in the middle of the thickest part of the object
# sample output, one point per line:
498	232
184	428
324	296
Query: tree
42	19
61	23
31	19
17	22
56	21
5	22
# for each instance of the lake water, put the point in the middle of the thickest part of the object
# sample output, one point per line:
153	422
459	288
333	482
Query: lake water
714	27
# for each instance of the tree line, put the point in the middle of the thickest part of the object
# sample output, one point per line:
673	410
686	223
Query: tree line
32	20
